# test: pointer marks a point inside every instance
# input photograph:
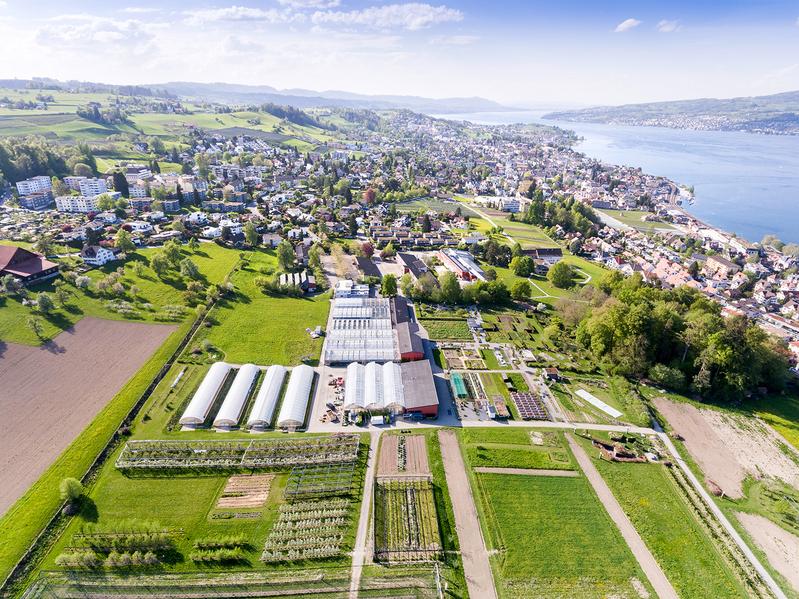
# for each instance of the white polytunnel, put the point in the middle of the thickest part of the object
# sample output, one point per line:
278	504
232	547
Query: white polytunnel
354	398
197	410
295	403
374	387
263	410
237	395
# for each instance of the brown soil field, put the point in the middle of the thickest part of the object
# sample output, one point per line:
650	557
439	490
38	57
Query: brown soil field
416	463
245	490
729	447
780	546
49	394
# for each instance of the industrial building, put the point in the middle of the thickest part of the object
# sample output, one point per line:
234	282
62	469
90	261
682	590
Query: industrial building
395	388
462	264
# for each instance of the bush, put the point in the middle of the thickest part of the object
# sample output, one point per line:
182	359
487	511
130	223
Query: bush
668	377
71	489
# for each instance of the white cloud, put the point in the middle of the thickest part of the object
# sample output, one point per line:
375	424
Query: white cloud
626	25
412	16
666	26
139	10
453	40
3	3
241	13
82	32
300	4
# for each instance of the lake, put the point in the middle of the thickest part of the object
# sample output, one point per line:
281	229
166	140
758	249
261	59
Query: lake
743	183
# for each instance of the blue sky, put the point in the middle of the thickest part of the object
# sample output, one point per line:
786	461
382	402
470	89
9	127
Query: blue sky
522	53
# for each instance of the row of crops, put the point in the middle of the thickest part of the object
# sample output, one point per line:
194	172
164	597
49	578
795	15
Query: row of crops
255	454
305	530
406	523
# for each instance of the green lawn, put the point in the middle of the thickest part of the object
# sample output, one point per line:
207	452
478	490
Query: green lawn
553	538
496	455
491	359
440	328
527	236
664	519
782	413
254	327
632	218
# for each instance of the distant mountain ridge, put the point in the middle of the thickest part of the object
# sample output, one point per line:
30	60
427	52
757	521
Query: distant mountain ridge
774	114
303	98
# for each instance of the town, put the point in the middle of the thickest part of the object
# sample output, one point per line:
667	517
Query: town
376	353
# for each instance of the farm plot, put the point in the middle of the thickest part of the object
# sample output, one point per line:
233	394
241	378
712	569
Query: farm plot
552	538
265	453
441	328
49	394
319	480
403	455
308	530
245	491
406	525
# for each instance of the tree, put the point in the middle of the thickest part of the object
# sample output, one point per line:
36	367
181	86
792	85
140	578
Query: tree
35	325
193	244
172	253
450	288
522	266
189	269
388	287
44	245
82	170
367	249
388	251
61	294
44	303
70	489
427	226
59	187
521	291
352	225
250	233
160	264
121	184
561	275
123	242
285	255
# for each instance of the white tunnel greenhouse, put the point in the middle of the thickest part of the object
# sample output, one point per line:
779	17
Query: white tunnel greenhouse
263	410
237	396
295	403
374	387
197	410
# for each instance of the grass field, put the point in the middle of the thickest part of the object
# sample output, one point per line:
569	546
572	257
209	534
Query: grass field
553	538
258	328
632	218
782	413
440	206
490	359
213	261
514	449
440	328
670	530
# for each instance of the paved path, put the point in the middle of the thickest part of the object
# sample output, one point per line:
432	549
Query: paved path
527	471
639	549
363	536
476	567
764	574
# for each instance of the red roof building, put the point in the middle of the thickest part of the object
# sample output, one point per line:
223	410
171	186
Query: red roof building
24	265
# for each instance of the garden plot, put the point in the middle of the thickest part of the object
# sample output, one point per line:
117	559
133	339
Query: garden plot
245	491
403	455
406	524
728	448
308	530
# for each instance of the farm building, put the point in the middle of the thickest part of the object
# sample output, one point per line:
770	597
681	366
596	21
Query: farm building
295	403
237	396
391	387
409	343
25	266
462	264
197	410
263	410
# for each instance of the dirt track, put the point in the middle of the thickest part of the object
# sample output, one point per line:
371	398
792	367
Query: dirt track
780	546
49	394
646	560
476	567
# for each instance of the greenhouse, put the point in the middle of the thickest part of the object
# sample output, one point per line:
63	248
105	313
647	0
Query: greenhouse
295	403
197	410
360	331
237	396
374	387
263	410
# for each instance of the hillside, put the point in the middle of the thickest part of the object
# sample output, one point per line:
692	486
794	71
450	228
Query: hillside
775	114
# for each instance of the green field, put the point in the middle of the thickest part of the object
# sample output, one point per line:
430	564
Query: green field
632	218
435	204
527	236
440	328
553	538
667	524
782	413
514	449
490	359
262	329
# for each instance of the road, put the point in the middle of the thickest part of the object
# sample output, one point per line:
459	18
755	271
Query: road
363	536
476	566
634	541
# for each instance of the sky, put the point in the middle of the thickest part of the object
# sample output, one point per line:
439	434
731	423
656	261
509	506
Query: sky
521	53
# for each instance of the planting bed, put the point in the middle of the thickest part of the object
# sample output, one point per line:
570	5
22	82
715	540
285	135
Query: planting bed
406	525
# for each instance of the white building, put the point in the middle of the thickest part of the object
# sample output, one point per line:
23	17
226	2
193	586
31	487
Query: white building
76	204
97	255
73	182
138	190
92	187
34	185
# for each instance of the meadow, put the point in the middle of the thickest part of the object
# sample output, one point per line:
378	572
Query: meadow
632	218
441	328
663	518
